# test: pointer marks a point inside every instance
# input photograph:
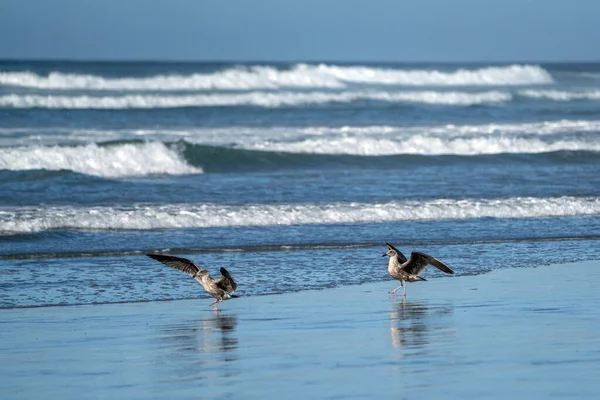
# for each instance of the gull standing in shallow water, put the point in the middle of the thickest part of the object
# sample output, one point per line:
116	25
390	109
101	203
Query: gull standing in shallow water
408	270
221	288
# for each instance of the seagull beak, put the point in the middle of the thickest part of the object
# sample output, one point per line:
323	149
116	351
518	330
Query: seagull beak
384	255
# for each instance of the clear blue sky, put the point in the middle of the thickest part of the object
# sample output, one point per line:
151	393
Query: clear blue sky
265	30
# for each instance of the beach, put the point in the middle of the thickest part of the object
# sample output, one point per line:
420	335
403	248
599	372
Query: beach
293	176
524	332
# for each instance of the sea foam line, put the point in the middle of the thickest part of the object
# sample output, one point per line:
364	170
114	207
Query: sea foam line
561	95
543	128
298	76
426	145
252	136
26	220
260	99
502	75
140	159
112	161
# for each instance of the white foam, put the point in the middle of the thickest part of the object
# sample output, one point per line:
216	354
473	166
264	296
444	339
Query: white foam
120	160
251	136
427	145
565	127
506	75
25	220
261	99
229	79
561	95
543	128
532	137
300	76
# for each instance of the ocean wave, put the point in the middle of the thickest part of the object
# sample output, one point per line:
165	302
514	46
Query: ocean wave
590	75
214	159
426	145
135	158
110	161
259	99
242	135
144	217
298	76
240	78
488	76
561	95
564	126
542	128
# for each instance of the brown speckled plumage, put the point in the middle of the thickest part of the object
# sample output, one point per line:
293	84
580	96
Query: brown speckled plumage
408	270
221	288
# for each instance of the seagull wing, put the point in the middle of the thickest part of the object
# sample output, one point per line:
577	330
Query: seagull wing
418	261
182	264
226	281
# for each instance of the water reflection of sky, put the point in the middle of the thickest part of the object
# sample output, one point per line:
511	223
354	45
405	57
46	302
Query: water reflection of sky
202	349
414	324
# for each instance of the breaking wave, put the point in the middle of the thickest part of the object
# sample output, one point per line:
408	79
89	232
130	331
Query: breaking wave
110	161
298	76
259	99
242	135
561	95
428	145
284	99
142	217
333	147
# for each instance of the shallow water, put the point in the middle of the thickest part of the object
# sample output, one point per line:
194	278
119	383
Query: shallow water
292	176
512	332
133	278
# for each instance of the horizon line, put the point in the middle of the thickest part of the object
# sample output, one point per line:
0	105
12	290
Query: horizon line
290	61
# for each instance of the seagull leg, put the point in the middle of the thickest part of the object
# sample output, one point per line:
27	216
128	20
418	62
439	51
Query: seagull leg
217	304
404	291
395	290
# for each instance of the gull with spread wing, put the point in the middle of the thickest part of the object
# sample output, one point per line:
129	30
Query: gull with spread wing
221	288
408	270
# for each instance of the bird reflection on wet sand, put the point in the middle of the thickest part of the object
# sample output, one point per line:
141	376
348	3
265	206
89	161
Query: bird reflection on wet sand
412	324
219	333
204	348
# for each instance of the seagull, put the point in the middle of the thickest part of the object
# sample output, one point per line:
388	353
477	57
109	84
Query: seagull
221	288
408	270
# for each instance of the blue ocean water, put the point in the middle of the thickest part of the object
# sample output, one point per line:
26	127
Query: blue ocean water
291	175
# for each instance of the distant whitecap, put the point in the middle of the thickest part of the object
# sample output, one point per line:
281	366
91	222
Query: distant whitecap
298	76
259	99
251	137
561	95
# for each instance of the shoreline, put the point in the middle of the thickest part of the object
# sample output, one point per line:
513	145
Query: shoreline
509	332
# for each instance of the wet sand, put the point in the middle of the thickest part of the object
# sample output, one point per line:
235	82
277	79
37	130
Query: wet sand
514	332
